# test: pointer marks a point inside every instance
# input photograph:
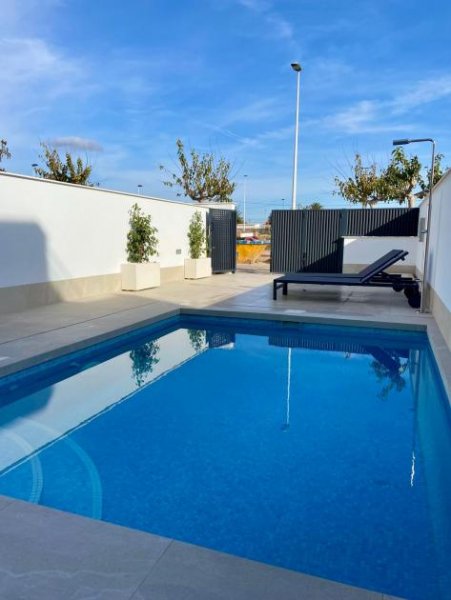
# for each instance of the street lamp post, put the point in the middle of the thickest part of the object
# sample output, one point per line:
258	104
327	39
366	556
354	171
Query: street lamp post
297	68
140	189
424	307
244	203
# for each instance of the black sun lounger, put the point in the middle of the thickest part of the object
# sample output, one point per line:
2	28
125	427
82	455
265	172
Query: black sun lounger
373	275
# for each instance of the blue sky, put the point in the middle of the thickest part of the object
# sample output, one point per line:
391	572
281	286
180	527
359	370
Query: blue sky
120	81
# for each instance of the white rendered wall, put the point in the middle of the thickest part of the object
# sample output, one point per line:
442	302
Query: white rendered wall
51	231
439	264
363	250
420	250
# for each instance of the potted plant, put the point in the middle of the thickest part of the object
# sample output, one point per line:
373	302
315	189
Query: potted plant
198	265
138	273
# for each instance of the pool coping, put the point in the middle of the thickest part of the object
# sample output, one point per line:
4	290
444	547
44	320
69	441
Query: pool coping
313	587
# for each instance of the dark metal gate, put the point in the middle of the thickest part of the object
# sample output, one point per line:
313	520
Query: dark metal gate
312	240
221	225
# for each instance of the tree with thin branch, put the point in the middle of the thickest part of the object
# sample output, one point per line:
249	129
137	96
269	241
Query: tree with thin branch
403	176
70	171
365	186
4	151
401	181
203	178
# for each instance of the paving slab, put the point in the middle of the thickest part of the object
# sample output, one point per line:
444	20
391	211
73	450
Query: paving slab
187	572
48	554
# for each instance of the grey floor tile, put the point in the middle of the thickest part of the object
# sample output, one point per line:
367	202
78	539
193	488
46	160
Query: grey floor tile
4	501
47	554
187	572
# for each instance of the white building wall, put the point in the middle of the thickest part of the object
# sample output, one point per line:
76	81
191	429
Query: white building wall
360	251
419	262
439	264
51	231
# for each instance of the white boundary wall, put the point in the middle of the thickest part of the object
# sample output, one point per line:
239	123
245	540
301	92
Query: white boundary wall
52	231
439	266
360	251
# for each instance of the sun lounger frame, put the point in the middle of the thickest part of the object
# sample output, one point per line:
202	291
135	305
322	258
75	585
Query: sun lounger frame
374	275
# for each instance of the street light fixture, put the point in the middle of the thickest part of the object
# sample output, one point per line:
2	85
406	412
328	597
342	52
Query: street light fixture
140	189
297	69
424	307
35	165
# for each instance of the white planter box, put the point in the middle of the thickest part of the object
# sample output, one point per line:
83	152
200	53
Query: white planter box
196	268
140	276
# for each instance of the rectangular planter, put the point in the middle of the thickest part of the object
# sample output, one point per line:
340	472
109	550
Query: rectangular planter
196	268
140	276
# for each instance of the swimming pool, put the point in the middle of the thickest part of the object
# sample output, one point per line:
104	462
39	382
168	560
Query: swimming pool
317	448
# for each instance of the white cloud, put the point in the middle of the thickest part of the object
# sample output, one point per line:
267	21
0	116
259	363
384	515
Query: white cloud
76	142
255	5
254	112
25	60
271	135
352	119
424	92
278	27
33	72
379	115
26	17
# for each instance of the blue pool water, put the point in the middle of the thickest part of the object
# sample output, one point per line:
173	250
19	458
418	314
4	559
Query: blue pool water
321	449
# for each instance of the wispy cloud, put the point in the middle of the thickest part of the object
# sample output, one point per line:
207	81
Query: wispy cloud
75	142
278	26
32	69
16	13
424	92
256	5
30	59
271	135
256	111
350	119
380	115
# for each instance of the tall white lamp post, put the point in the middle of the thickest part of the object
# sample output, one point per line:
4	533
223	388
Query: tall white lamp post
297	68
244	203
424	307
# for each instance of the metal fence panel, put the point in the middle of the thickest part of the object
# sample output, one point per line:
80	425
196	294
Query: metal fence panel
221	224
321	241
312	240
286	254
383	221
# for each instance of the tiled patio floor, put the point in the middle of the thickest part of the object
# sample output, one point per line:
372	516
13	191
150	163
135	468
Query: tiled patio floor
47	554
31	333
